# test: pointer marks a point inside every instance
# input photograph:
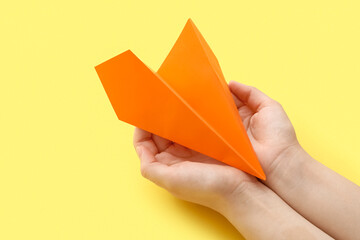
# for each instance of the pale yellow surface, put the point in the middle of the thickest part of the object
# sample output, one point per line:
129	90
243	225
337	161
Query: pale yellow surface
67	166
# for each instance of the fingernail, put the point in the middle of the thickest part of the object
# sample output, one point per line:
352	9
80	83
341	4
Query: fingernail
138	151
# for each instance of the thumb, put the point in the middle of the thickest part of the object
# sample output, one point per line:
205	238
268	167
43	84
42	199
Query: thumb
251	96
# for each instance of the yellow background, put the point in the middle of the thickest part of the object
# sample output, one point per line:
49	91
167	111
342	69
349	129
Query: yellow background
67	166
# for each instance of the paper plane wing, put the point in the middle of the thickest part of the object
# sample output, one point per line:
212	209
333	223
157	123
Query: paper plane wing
193	71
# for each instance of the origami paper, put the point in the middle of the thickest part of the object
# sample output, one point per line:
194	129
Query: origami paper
187	101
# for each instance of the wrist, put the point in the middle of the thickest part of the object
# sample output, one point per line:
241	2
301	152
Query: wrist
257	213
288	168
241	199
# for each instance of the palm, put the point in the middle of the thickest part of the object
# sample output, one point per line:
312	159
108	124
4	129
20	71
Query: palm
191	171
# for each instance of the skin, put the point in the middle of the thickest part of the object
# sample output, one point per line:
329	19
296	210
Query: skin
301	198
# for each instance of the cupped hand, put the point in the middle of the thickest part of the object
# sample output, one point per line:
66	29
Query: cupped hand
195	177
269	129
185	173
297	201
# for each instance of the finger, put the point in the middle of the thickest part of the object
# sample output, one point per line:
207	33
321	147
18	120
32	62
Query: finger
238	103
244	111
250	96
151	169
144	138
161	143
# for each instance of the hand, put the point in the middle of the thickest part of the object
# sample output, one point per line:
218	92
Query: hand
185	173
299	199
268	127
195	177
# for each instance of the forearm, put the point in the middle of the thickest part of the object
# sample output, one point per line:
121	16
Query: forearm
325	198
258	213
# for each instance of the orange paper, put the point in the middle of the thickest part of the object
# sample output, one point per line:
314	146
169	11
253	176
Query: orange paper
187	101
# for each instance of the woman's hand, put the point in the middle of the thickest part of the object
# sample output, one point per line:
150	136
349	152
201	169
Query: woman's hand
268	127
300	198
185	173
195	177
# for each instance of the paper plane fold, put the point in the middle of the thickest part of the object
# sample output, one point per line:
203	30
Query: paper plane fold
187	101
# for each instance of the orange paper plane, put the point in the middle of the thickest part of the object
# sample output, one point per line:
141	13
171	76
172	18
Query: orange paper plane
187	101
